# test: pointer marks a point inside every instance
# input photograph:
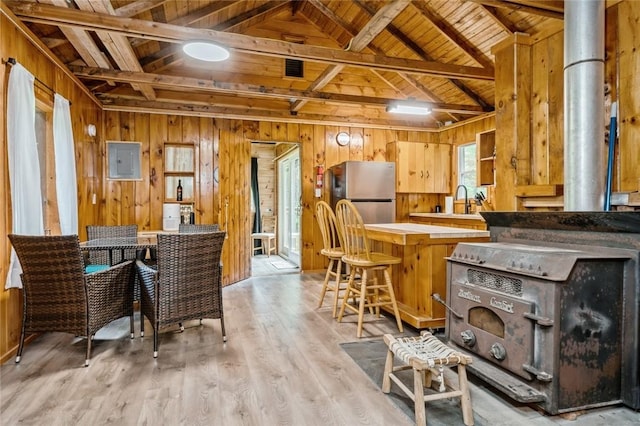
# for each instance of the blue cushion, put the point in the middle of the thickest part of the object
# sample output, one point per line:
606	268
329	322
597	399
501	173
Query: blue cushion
89	269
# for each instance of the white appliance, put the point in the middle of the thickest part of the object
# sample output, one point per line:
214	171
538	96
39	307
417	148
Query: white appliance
170	216
370	185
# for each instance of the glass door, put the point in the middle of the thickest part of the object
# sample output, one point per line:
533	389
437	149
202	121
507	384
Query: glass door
289	206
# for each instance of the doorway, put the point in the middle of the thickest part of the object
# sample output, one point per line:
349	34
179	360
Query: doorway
289	205
276	169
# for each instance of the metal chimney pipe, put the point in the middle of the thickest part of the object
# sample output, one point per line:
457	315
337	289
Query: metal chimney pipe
584	105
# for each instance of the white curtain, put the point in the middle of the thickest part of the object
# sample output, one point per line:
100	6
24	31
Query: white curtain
65	166
24	167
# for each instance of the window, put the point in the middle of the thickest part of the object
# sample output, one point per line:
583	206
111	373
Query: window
44	142
467	168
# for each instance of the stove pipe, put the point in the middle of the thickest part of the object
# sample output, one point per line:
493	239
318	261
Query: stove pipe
584	105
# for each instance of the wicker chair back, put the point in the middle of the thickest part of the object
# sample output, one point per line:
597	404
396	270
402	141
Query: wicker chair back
100	257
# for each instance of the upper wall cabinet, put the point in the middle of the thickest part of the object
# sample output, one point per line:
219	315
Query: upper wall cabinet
486	152
179	169
421	167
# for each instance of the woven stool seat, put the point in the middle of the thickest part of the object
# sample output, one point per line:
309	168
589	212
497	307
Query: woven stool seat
427	356
427	349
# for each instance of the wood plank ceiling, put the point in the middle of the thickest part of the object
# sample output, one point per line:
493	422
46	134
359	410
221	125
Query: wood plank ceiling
358	55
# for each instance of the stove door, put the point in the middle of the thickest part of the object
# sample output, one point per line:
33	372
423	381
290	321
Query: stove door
494	327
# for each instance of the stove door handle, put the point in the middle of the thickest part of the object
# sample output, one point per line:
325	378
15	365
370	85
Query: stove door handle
541	321
438	299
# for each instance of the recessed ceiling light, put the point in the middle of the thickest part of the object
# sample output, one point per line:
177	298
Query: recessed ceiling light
409	107
205	51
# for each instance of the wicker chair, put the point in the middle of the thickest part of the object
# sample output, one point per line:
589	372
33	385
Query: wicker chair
59	296
187	283
187	228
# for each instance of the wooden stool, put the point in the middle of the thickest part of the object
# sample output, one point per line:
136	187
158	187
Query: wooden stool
371	292
332	249
427	356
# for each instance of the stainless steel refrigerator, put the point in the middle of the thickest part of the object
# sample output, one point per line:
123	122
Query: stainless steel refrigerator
370	185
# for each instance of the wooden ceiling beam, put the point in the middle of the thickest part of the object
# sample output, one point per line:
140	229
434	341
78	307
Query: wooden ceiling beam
192	18
82	42
502	21
523	7
167	81
117	45
359	42
155	107
166	56
50	15
551	5
132	9
410	44
52	42
454	36
261	12
383	75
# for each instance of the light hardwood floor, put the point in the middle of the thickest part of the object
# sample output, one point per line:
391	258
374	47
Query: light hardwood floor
282	365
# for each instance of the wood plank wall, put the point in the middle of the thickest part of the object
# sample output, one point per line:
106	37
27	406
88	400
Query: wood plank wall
628	37
536	140
227	144
84	110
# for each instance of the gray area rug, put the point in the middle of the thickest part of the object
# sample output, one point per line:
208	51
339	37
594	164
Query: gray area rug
370	357
489	407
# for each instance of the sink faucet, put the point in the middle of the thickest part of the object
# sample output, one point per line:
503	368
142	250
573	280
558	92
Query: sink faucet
467	205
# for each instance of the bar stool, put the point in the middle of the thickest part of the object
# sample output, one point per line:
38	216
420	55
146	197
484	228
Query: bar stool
332	249
428	356
370	292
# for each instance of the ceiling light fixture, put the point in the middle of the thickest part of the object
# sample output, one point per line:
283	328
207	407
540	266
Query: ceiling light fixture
205	51
409	107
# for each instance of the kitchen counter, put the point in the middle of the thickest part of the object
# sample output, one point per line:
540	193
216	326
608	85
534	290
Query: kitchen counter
414	233
457	220
422	271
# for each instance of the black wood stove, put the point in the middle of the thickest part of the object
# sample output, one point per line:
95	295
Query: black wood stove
549	309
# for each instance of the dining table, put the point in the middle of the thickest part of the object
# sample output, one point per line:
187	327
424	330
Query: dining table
111	244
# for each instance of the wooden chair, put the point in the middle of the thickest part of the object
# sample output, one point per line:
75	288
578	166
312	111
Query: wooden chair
332	249
185	285
60	296
189	228
267	236
367	264
427	356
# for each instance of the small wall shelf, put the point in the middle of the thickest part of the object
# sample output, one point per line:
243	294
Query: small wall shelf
486	149
179	167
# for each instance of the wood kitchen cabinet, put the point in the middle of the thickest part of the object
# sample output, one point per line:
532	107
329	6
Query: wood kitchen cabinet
421	167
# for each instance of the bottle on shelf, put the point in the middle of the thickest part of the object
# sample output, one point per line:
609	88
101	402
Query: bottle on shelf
179	191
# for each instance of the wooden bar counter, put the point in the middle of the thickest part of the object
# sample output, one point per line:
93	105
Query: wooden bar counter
423	271
456	220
